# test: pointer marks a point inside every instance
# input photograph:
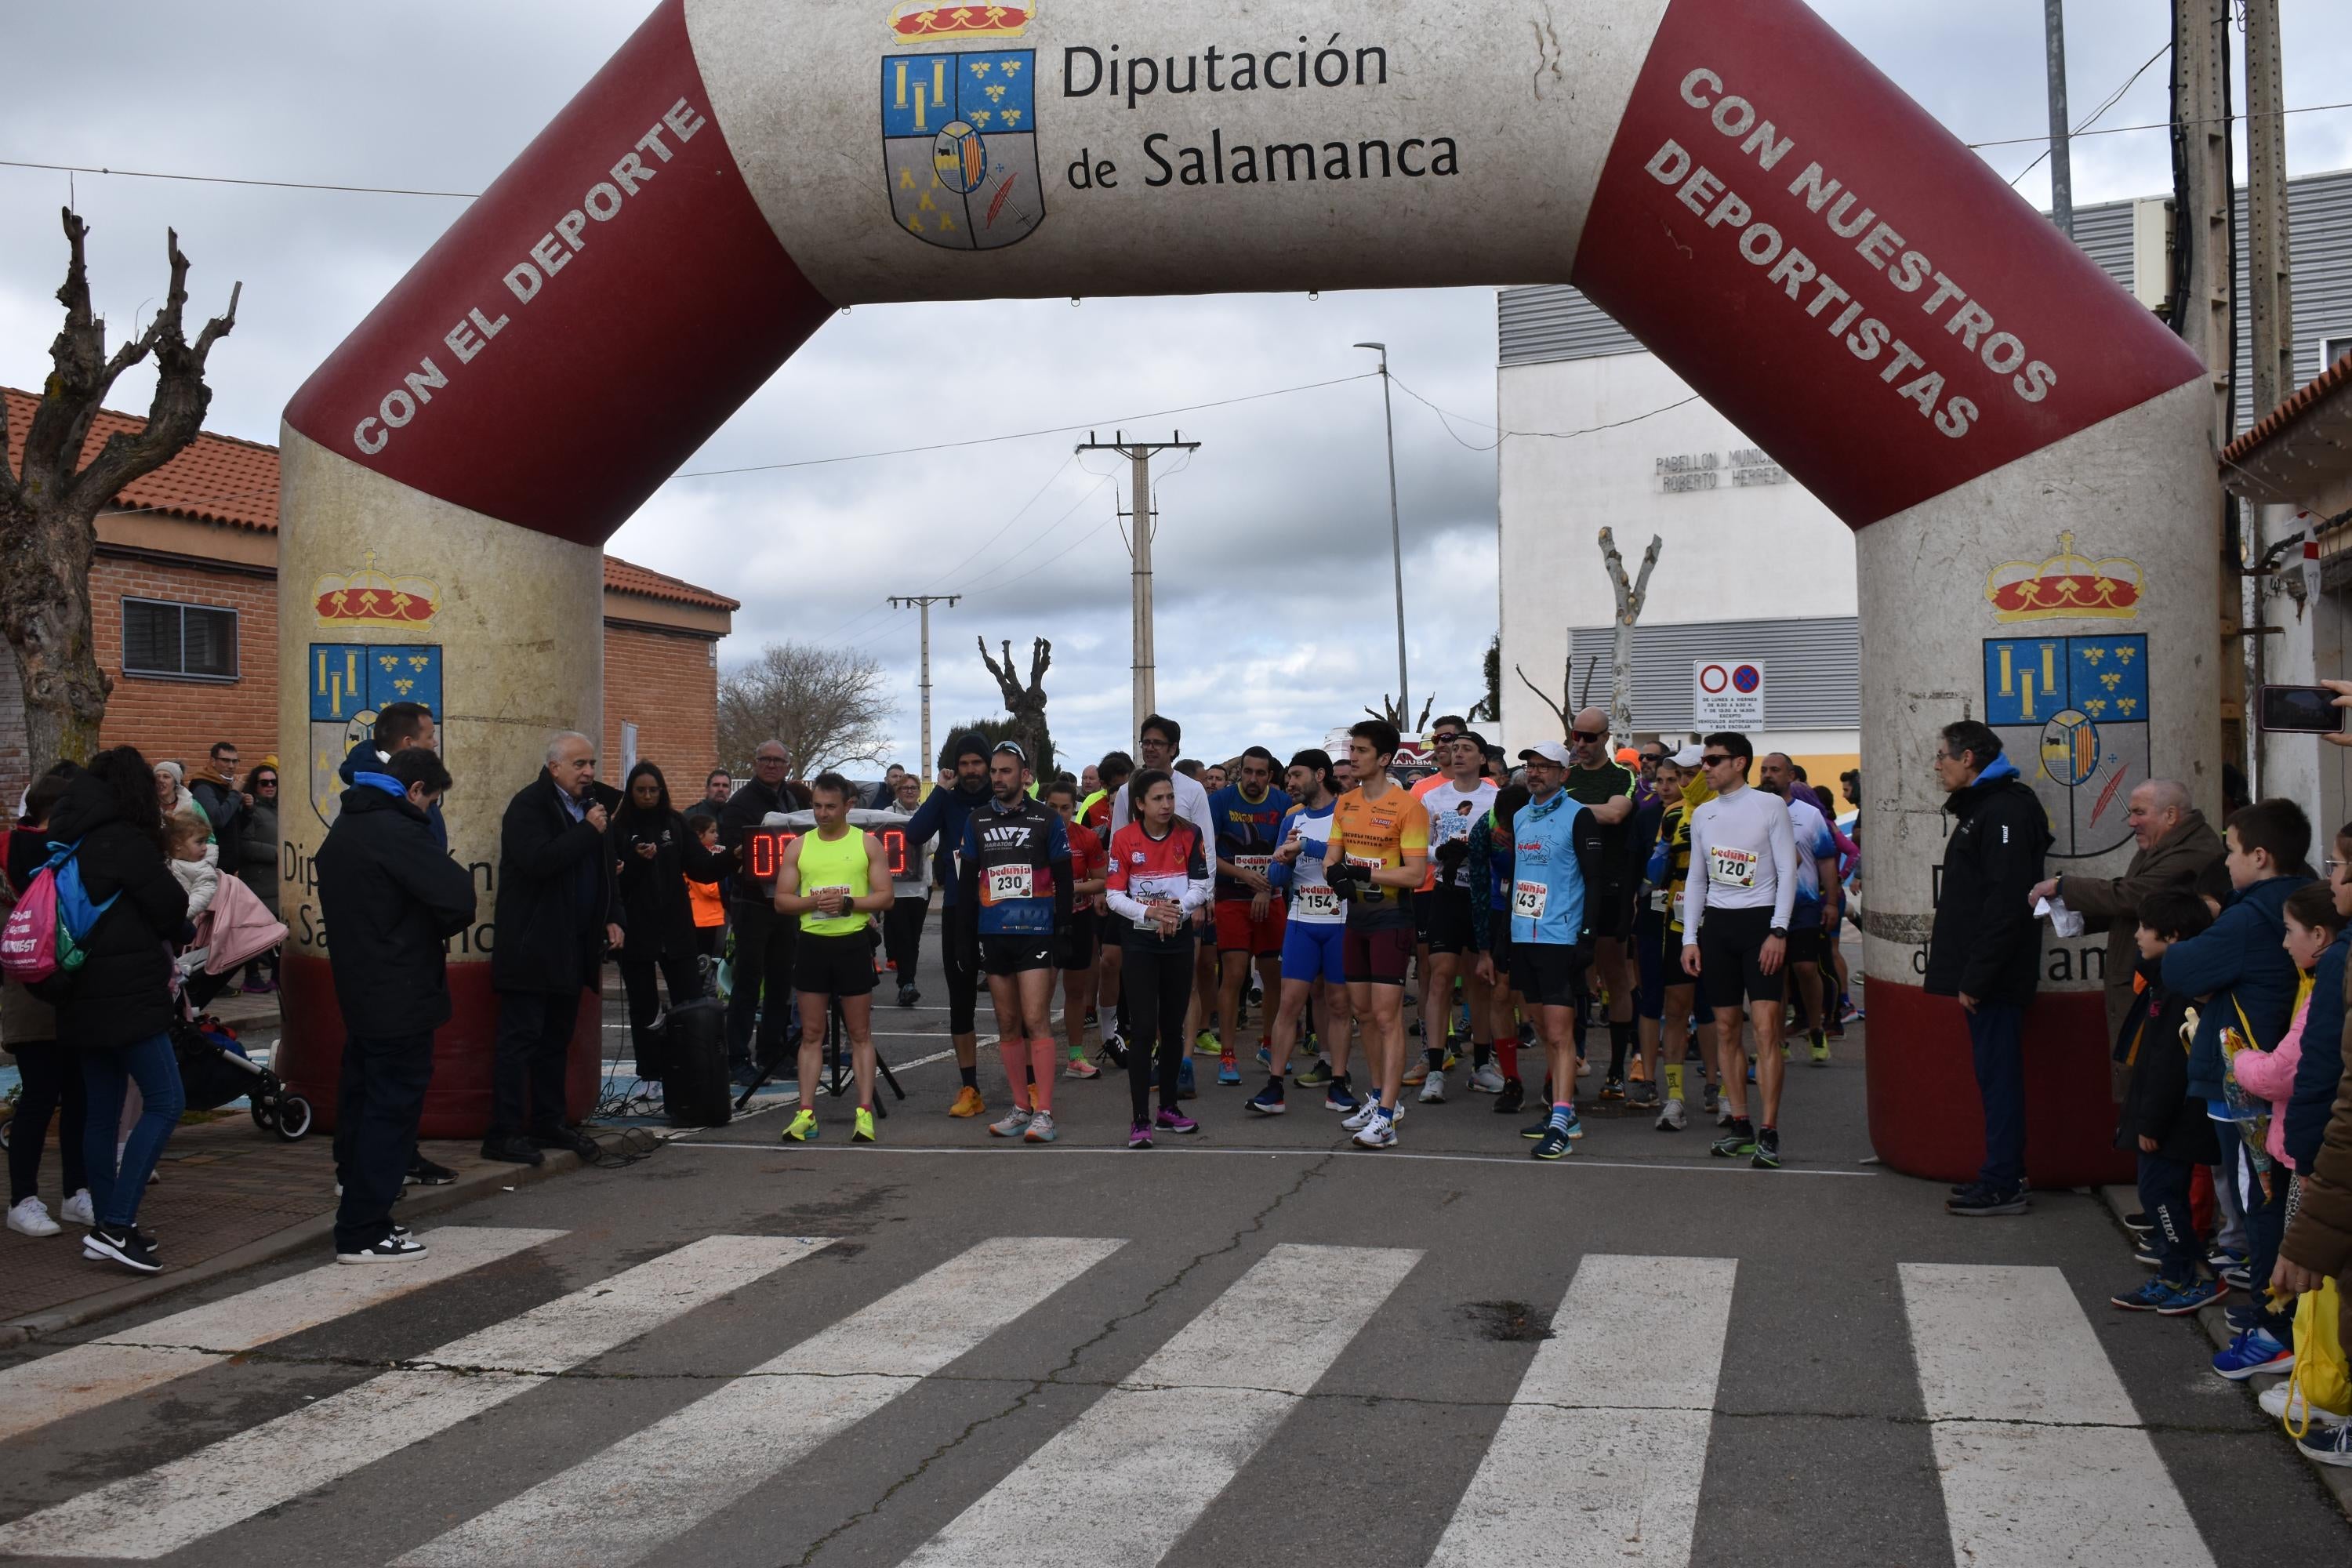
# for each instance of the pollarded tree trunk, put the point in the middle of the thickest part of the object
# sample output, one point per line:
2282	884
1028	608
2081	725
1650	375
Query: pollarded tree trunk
48	509
1025	705
1631	597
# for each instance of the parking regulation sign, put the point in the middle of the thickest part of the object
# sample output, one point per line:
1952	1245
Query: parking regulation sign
1727	694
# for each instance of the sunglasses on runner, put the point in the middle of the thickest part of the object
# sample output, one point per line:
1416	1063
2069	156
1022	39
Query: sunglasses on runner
1715	758
1589	736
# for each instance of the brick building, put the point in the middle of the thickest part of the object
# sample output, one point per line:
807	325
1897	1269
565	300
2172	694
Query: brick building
184	600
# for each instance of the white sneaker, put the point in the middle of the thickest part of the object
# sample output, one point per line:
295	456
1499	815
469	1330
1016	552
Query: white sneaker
1672	1120
1380	1133
31	1217
2275	1405
1487	1079
1583	1067
398	1247
1356	1120
78	1209
1013	1125
1433	1089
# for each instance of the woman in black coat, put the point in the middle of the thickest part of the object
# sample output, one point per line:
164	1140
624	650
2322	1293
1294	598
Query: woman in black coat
116	1010
655	852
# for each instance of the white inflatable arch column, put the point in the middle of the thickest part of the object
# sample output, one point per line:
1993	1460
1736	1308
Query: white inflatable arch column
1787	230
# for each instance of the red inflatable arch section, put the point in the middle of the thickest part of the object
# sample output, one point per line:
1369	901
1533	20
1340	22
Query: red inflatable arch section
1782	226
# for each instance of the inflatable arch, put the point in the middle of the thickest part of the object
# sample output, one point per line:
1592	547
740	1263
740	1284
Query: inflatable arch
2022	450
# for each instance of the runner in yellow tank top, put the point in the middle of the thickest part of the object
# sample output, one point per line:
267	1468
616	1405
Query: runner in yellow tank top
837	876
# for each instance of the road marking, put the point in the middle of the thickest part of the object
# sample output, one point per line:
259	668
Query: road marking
165	1508
1600	1458
1124	1480
134	1360
2039	1448
1031	1151
698	1460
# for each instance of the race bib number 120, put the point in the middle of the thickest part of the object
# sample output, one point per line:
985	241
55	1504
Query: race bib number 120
1728	868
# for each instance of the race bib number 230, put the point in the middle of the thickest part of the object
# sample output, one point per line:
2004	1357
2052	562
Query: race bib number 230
1006	882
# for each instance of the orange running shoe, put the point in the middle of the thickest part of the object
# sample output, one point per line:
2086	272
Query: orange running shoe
967	1102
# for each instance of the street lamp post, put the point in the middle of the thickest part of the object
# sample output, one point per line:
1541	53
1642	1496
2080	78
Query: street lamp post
1396	534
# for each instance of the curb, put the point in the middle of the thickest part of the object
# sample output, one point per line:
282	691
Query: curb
302	1236
2336	1478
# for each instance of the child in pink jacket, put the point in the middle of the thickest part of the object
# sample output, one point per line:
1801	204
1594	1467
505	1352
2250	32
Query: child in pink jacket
2312	923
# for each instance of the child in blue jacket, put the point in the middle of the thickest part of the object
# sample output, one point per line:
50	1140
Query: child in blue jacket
2248	985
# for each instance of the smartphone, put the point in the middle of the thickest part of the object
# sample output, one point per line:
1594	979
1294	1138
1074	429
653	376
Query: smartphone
2305	709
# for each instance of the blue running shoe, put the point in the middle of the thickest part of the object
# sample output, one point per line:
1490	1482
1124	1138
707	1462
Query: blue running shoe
1268	1101
2152	1296
1337	1098
2252	1351
1553	1144
2327	1445
1184	1089
2193	1295
1228	1071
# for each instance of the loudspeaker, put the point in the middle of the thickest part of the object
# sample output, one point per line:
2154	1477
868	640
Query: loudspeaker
695	1088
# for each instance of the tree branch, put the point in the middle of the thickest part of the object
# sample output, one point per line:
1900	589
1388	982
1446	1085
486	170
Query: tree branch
1041	657
1559	712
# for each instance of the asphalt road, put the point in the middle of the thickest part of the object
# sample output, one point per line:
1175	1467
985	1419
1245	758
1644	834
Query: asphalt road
1256	1347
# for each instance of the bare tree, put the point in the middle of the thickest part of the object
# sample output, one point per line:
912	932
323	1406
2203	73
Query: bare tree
1388	711
1564	707
1630	596
1025	705
48	509
827	705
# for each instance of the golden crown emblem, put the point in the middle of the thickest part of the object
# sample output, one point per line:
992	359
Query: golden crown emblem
368	597
2066	586
925	22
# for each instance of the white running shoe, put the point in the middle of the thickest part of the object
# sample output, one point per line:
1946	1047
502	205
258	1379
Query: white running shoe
1583	1067
78	1209
1014	1124
2275	1405
31	1217
1672	1120
1356	1120
1487	1079
1380	1133
1433	1089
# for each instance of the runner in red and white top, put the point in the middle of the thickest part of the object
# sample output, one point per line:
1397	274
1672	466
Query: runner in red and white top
1080	943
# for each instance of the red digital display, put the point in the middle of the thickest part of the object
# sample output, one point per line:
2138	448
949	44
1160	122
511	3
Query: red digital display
764	851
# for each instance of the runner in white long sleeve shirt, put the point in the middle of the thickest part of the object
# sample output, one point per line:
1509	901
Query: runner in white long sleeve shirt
1736	906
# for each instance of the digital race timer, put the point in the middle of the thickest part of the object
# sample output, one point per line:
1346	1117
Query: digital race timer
763	847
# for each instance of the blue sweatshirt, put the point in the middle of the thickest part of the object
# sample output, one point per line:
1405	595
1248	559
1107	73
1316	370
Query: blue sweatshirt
2317	1075
943	816
2237	964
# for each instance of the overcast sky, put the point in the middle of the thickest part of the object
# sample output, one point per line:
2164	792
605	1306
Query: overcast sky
1275	614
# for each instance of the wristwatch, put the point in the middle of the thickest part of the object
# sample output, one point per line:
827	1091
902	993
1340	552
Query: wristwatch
1780	932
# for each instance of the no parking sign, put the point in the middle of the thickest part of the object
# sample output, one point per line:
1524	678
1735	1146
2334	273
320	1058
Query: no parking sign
1727	694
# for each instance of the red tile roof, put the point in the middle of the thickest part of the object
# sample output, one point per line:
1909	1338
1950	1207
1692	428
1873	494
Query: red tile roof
219	479
2335	377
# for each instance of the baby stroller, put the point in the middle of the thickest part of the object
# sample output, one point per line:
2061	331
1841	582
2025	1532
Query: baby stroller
214	1068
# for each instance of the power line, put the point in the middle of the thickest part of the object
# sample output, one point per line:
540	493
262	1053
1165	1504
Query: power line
470	196
1025	434
2112	99
234	180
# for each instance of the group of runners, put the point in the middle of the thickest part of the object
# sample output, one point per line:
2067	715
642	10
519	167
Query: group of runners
1520	904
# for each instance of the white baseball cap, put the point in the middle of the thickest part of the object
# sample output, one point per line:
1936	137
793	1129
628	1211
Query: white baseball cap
1553	752
1688	757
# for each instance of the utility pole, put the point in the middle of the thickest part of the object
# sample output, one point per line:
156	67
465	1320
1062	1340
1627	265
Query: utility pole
1139	455
924	602
1396	537
2267	261
2200	239
2061	168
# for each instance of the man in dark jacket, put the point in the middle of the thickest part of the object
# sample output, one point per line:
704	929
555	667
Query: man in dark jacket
763	939
398	727
1986	947
2175	844
943	816
557	911
391	898
225	806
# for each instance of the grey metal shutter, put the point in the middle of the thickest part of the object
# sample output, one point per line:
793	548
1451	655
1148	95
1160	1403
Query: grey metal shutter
1813	669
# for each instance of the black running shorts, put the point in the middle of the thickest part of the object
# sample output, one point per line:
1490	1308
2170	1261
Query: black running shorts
1730	949
1549	974
1001	955
834	965
1449	929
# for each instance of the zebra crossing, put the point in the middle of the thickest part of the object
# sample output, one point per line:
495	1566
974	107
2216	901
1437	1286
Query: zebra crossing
1599	1454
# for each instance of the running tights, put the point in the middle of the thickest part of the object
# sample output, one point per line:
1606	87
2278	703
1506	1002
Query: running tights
1159	985
52	1082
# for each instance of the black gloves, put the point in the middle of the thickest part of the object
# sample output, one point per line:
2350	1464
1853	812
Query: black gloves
1346	879
1450	856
